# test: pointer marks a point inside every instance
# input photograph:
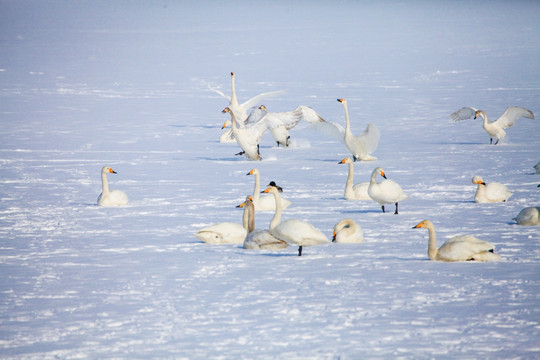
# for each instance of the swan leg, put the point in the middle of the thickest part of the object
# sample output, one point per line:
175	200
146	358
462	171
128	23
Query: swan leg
396	209
496	142
240	153
490	140
354	158
300	250
383	209
287	142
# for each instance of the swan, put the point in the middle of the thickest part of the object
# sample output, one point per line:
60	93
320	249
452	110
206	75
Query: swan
490	193
356	191
259	239
290	119
537	167
528	216
294	231
458	248
248	138
360	146
240	110
495	129
348	231
110	198
385	192
225	232
265	203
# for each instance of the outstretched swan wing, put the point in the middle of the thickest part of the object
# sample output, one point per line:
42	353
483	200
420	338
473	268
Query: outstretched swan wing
369	138
463	113
511	115
257	99
219	92
329	128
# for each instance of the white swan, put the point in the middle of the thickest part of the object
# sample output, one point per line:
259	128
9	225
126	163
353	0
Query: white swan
356	191
240	110
348	231
110	198
259	239
248	138
495	129
264	203
458	248
528	216
360	146
225	232
385	192
289	119
294	231
490	193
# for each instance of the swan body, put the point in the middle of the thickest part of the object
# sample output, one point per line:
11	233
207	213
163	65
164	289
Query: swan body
356	191
490	193
264	203
294	231
528	216
348	231
107	197
458	248
259	239
385	192
240	110
495	129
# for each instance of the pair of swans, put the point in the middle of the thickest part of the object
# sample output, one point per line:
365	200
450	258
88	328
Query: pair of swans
360	146
490	193
357	191
458	248
107	197
259	239
495	129
386	191
265	203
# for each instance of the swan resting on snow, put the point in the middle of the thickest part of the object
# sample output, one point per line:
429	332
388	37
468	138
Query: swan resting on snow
347	231
490	193
356	191
294	231
360	146
259	239
495	129
458	248
110	198
528	216
385	192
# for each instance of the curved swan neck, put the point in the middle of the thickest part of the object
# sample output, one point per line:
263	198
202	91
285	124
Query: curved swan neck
432	243
104	184
277	215
373	179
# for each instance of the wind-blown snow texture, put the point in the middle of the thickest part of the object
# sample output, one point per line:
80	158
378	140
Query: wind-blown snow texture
124	84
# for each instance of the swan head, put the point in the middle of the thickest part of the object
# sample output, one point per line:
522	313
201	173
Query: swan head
253	171
343	101
478	180
342	225
479	113
423	225
107	169
273	183
380	171
347	160
249	198
262	107
271	189
226	110
232	74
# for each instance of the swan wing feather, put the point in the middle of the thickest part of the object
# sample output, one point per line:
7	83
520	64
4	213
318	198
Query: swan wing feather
464	113
511	116
257	99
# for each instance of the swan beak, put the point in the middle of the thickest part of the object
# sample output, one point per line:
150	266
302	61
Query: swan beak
226	110
342	161
241	205
340	100
224	126
267	190
334	237
250	172
383	175
417	226
112	171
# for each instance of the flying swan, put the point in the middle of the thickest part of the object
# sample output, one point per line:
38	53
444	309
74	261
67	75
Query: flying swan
490	193
385	192
259	239
240	110
356	191
347	231
360	146
495	129
528	216
458	248
110	198
294	231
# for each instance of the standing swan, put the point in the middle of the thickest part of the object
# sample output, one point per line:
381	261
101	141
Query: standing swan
348	231
259	239
495	129
385	192
294	231
356	191
264	203
528	216
458	248
490	193
110	198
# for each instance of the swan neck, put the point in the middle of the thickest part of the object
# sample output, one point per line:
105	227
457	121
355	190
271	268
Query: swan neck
347	121
104	184
432	243
248	219
234	100
277	215
257	188
350	178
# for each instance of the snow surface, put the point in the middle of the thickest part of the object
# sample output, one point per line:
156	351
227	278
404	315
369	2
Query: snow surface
124	84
